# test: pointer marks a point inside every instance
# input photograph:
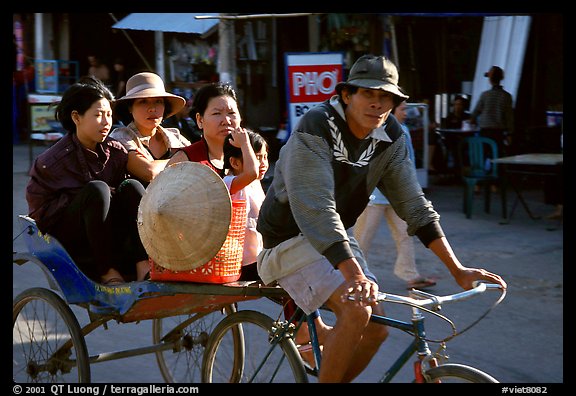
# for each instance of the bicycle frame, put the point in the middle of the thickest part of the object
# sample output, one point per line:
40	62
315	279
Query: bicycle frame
419	345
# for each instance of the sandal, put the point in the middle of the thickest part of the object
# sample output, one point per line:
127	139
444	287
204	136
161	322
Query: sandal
421	283
307	354
114	281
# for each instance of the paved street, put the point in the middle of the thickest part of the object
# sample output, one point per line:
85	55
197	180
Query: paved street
520	341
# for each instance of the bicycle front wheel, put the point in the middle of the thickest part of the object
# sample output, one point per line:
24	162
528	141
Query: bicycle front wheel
451	373
242	349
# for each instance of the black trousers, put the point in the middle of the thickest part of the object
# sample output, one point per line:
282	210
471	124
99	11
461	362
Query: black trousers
99	230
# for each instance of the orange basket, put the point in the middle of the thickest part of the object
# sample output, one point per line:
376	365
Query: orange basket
224	267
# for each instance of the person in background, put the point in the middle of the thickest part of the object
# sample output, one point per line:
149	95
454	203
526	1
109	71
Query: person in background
79	193
451	141
215	110
99	69
142	110
338	153
379	208
184	123
493	112
119	78
459	112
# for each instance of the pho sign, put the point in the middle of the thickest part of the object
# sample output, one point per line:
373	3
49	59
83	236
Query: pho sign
311	78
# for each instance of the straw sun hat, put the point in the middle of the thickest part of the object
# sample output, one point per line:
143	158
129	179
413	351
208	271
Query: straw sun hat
150	85
184	216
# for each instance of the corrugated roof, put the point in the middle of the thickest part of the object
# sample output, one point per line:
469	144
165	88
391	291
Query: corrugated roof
178	22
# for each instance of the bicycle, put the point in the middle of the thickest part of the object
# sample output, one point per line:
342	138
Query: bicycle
235	351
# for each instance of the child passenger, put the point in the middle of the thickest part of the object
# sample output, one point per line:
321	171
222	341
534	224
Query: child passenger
246	159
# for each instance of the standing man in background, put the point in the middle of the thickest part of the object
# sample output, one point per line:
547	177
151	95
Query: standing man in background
493	113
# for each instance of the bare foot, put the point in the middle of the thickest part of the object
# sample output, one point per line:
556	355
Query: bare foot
303	336
142	270
302	340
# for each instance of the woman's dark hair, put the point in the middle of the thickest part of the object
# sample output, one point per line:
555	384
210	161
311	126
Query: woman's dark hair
122	110
207	92
80	97
230	151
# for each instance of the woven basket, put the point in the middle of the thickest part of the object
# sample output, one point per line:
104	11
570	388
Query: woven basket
224	267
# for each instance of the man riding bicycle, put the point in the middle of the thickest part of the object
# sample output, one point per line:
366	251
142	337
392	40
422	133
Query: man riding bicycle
339	152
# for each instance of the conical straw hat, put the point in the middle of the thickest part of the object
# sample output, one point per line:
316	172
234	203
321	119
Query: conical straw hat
184	216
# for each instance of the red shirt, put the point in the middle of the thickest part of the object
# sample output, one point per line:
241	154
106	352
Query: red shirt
198	152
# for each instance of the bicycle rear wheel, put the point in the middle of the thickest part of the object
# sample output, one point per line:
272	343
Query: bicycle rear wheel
189	336
47	342
451	373
240	349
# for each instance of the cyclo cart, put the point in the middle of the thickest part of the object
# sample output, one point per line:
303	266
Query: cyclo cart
49	344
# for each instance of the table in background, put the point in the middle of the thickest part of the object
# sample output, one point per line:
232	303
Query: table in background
533	164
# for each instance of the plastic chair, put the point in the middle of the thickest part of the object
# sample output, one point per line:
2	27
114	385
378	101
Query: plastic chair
476	153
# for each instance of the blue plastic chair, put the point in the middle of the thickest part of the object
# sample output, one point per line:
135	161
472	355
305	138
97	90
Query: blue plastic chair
476	153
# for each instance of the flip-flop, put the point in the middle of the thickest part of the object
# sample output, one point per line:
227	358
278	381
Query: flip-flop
421	283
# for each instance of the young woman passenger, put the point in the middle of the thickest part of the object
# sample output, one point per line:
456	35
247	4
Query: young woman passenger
79	192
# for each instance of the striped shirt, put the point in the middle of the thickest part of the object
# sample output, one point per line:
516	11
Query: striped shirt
494	110
325	175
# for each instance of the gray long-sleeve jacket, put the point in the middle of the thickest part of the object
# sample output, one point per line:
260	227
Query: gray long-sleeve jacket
324	177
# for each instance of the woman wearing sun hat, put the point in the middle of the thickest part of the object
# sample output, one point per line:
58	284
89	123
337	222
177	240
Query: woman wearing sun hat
142	110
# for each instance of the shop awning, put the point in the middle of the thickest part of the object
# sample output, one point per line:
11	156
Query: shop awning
178	22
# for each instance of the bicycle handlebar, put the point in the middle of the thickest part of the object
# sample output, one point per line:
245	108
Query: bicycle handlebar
428	300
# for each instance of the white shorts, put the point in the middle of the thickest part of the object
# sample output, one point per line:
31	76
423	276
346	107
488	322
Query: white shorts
312	285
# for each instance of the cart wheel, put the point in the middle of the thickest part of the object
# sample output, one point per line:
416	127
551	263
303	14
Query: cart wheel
248	346
47	342
187	335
